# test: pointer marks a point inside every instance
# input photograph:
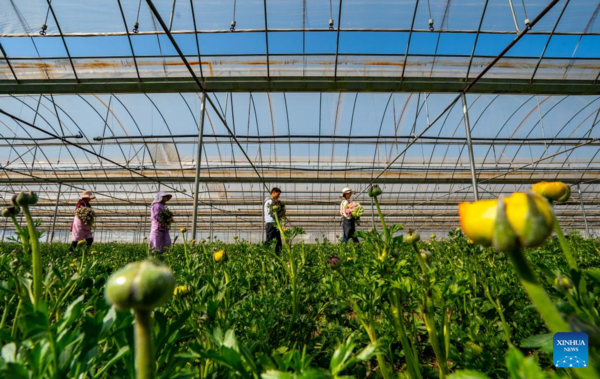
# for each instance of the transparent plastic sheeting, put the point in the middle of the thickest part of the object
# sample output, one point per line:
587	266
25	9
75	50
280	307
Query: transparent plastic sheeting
101	16
309	144
373	40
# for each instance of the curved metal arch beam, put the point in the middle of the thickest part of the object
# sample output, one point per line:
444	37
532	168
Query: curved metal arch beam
589	132
168	128
257	131
538	122
20	156
138	128
376	152
58	107
349	134
287	118
504	126
528	116
49	125
109	110
460	121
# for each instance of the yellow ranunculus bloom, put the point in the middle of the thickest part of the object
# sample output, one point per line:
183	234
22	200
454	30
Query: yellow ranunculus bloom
220	256
477	220
181	291
556	191
529	215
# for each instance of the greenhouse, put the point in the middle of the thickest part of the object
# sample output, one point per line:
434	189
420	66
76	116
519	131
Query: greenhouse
437	164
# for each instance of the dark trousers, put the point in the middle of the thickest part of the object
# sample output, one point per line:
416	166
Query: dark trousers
88	242
272	233
349	227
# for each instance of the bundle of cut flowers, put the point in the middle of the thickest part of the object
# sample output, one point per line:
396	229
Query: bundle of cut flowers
86	215
278	208
353	210
166	217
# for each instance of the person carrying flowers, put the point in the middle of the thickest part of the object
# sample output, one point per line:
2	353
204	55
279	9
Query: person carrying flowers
81	228
350	212
161	219
271	231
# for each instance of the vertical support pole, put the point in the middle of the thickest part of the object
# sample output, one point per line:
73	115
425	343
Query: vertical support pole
198	160
470	147
587	231
211	224
50	236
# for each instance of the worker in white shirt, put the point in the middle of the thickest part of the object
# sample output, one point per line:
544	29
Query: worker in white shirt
348	221
272	233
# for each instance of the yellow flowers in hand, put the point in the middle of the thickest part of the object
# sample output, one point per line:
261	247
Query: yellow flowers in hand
520	220
554	191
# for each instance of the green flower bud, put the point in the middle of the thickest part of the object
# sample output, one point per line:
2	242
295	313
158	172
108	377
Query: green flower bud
412	237
26	198
141	285
425	254
562	282
11	211
375	191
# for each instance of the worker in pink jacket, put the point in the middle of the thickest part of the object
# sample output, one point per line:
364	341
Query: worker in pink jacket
79	230
159	231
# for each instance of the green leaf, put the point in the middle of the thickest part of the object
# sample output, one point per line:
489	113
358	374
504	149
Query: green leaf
468	374
543	342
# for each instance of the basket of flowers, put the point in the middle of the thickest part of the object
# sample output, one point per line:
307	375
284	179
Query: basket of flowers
86	215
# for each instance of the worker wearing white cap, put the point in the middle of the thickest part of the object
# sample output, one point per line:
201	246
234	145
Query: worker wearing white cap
348	222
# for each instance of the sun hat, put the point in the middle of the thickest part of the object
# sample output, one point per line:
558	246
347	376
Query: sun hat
160	195
87	194
347	190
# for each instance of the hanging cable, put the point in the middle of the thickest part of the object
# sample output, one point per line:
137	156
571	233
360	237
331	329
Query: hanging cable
45	26
136	24
233	23
431	28
527	22
330	14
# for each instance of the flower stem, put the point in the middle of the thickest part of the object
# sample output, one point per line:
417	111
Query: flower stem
565	246
411	362
420	259
433	337
385	229
536	293
20	233
36	258
144	356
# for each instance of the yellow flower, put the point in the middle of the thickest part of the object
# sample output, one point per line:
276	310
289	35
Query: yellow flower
470	241
555	191
432	236
72	265
93	252
220	256
181	291
349	259
192	241
477	220
182	229
522	219
80	242
235	237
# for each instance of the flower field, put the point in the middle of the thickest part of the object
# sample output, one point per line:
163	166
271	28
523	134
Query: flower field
391	306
